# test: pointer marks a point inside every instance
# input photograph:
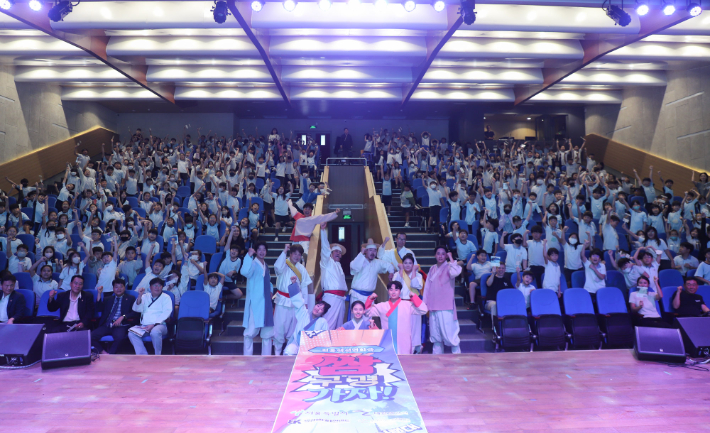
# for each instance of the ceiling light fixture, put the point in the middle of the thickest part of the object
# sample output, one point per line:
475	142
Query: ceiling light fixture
642	7
694	9
324	4
289	5
380	4
467	11
668	9
6	4
257	5
35	5
60	10
409	5
616	13
220	12
353	3
439	5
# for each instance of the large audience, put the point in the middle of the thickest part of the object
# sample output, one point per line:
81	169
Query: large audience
151	219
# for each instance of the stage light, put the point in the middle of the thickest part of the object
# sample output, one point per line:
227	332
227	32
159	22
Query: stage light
695	9
289	5
642	7
324	4
668	9
619	16
6	4
220	12
439	5
354	3
59	11
257	5
409	5
467	11
35	5
380	4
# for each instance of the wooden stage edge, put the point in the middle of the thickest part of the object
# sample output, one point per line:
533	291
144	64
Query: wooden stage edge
593	391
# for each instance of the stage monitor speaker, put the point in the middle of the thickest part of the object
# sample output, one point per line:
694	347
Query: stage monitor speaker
66	349
696	335
659	344
20	345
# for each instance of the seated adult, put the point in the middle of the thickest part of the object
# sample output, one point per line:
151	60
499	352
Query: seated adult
496	282
643	302
12	304
155	308
688	303
116	316
76	307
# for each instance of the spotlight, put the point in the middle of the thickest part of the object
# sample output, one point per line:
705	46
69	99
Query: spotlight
381	4
220	12
59	11
6	4
290	5
354	3
257	5
439	5
619	16
669	9
35	5
695	9
642	7
466	11
324	4
409	5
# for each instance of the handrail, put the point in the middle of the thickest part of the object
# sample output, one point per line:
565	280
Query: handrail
378	226
313	262
51	160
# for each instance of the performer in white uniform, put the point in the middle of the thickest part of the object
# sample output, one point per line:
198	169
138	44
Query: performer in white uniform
258	312
304	320
412	283
395	256
364	270
332	279
285	314
439	297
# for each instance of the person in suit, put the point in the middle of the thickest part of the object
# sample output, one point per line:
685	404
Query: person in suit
117	316
76	307
344	143
12	304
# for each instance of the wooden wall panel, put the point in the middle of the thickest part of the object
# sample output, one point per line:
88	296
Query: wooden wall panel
52	160
625	158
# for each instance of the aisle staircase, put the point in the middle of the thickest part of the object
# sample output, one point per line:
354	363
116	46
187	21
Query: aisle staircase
423	244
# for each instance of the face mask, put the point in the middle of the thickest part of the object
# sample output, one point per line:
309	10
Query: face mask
189	226
626	270
125	239
641	238
21	254
51	228
674	238
76	260
573	241
518	241
637	207
516	196
643	291
60	236
507	210
49	255
539	181
109	208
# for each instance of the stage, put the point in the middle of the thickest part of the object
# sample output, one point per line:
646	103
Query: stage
595	391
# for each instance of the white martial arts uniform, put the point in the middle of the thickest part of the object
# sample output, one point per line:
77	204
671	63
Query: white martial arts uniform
333	283
285	313
364	274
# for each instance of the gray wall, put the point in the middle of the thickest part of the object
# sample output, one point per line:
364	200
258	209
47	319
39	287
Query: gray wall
672	122
173	124
33	116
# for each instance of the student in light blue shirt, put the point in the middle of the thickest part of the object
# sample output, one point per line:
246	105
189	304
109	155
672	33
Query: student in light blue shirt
464	247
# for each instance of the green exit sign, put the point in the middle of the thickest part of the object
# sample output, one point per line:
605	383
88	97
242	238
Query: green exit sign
347	217
313	126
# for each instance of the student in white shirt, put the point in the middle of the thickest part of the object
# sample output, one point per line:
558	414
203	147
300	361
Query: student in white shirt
643	302
42	281
213	286
594	270
478	268
156	308
516	255
684	262
553	273
645	263
525	285
536	259
573	261
108	273
19	262
703	271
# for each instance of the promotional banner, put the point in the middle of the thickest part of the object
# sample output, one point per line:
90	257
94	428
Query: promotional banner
349	382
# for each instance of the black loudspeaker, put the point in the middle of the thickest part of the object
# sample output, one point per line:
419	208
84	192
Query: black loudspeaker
659	344
66	349
696	335
20	344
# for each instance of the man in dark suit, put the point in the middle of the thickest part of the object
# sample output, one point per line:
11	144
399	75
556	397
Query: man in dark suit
76	307
117	316
344	144
12	304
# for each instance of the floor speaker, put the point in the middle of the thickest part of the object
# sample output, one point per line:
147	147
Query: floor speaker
66	349
20	345
659	344
696	335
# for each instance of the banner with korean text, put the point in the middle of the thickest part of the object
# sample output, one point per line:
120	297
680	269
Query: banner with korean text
348	382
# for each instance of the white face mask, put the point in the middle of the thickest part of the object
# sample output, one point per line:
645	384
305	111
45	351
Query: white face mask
76	260
643	290
573	241
642	238
109	208
60	237
49	255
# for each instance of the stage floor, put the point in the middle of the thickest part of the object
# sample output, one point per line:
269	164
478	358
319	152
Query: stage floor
595	391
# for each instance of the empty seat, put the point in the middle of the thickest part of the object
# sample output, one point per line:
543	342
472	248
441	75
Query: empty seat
513	330
193	321
548	323
580	319
578	279
670	277
614	318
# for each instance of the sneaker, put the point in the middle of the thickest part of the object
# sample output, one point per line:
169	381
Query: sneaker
277	238
406	224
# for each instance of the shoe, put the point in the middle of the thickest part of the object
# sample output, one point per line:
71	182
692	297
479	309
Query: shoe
277	238
406	224
472	306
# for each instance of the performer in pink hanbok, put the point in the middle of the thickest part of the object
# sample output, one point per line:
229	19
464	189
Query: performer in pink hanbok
439	296
396	315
